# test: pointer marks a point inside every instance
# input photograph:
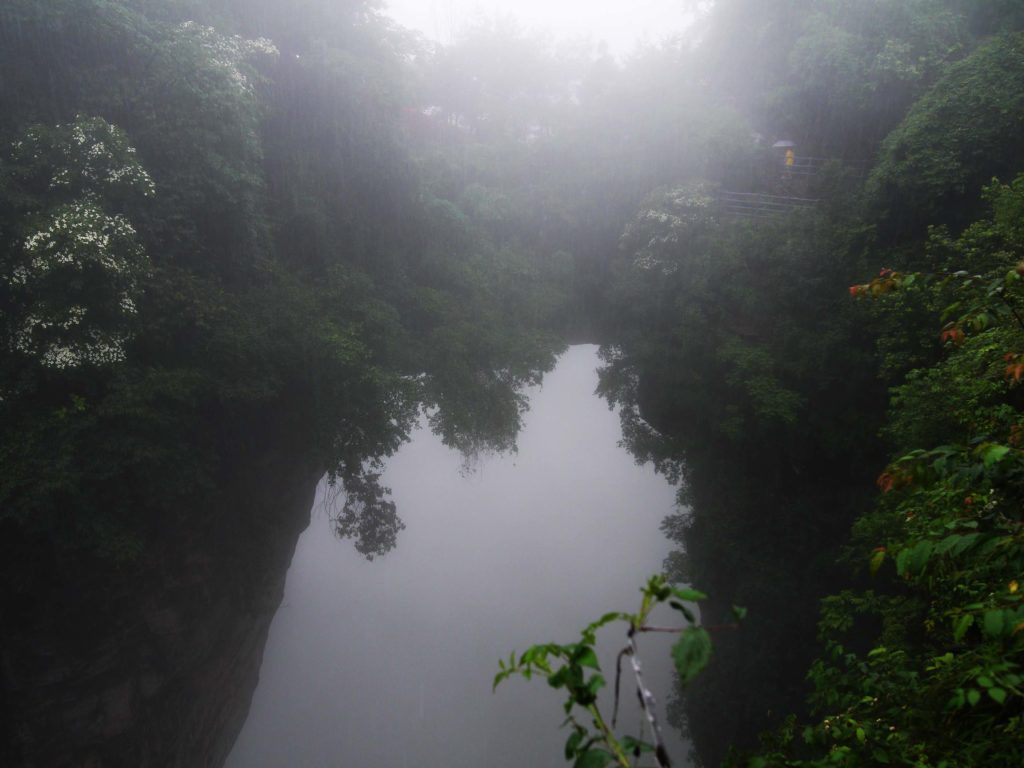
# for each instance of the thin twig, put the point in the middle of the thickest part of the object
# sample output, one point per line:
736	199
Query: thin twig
618	678
709	628
638	753
659	629
647	703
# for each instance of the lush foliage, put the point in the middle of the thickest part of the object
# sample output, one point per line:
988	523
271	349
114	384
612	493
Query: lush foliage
713	363
941	682
576	669
210	235
228	225
953	141
72	281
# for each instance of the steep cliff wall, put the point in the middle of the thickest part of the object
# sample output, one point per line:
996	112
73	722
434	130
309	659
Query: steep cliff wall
153	664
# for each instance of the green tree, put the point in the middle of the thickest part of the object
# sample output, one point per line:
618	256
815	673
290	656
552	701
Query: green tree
965	130
72	262
939	683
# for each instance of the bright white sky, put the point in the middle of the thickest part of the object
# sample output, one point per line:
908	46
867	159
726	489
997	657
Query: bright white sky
619	22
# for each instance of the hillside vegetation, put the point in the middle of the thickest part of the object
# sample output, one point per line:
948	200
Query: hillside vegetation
225	221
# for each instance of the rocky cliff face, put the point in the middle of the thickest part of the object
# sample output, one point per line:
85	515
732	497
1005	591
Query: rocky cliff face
155	664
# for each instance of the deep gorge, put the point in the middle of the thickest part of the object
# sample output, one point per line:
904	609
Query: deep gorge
245	244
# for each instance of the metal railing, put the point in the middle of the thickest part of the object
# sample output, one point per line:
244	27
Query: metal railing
811	166
754	205
804	166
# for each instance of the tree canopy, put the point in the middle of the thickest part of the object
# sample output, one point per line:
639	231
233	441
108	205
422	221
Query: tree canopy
232	221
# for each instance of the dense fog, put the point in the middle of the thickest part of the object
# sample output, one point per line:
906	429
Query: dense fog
350	346
619	26
515	550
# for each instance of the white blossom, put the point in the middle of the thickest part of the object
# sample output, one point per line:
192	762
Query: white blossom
79	238
76	276
227	53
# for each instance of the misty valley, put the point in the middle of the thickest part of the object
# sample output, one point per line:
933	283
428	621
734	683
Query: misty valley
378	391
513	550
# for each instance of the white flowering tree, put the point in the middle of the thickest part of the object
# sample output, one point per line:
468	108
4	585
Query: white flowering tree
227	57
70	261
667	219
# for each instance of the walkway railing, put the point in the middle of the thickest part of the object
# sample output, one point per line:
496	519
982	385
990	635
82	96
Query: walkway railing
754	205
811	166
